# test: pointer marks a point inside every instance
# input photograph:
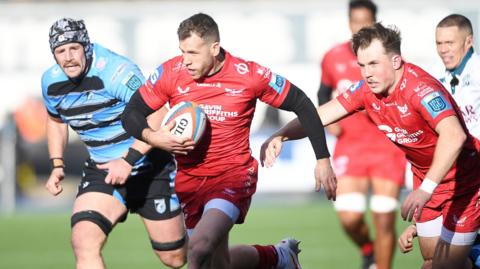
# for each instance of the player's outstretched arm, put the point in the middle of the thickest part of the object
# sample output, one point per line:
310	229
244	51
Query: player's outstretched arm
57	138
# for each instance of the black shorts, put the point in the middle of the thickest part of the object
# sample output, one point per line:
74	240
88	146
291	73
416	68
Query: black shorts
150	193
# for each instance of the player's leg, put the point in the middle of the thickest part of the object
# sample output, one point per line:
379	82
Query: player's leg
97	208
94	215
428	236
383	205
207	246
459	231
169	240
350	206
151	195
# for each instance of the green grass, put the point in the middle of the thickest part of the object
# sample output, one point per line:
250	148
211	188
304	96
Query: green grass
42	240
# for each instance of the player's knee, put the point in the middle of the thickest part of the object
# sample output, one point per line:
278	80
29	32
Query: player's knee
84	246
383	204
173	259
172	254
200	249
427	264
355	202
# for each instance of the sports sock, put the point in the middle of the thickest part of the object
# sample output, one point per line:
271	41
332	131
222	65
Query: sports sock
367	249
267	257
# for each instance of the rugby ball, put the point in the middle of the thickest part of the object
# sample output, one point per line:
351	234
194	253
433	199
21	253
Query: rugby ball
190	120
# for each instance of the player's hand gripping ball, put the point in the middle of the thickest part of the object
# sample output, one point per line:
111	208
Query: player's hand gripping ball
190	120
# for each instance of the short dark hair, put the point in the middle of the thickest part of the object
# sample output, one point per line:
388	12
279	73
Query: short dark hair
354	4
388	36
201	24
462	22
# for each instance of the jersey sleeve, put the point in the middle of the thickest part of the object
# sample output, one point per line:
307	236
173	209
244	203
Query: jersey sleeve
270	87
154	90
434	105
126	80
52	111
353	99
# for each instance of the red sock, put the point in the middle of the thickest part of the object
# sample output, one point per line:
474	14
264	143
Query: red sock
367	249
267	257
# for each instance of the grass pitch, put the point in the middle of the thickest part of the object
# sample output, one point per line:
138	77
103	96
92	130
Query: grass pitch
41	241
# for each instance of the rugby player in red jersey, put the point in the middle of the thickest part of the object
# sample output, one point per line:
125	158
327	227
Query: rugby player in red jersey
359	149
217	178
419	116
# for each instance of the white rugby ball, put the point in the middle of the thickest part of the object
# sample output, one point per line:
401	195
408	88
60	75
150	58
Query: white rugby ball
190	120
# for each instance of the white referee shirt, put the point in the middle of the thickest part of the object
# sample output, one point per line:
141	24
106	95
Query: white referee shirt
467	92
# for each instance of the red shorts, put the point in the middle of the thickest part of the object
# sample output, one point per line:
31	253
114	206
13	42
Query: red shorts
461	213
371	164
236	186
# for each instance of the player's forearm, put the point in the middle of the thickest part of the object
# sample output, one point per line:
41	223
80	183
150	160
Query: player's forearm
57	138
134	117
449	145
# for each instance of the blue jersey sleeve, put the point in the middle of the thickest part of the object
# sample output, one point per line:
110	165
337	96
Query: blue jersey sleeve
126	81
49	104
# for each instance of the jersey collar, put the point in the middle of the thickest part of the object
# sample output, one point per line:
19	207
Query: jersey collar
459	69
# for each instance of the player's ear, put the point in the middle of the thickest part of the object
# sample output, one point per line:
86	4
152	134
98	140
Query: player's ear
468	41
397	61
215	48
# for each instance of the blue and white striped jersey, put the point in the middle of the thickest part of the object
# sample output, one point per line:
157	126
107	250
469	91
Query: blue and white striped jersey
93	108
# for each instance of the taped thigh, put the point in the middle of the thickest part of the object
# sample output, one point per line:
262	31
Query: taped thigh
166	246
351	202
95	217
383	204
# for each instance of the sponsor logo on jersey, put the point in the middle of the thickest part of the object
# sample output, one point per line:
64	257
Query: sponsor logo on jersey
466	81
217	112
213	85
356	86
343	85
435	103
376	107
85	184
277	83
423	90
160	205
156	74
119	71
242	68
101	63
400	135
182	90
403	110
233	92
411	71
133	82
403	84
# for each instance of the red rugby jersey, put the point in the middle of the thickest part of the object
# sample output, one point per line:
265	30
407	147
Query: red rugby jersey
339	71
409	116
228	98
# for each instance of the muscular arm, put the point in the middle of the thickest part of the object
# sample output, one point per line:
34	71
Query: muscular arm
154	120
57	137
324	95
451	138
303	107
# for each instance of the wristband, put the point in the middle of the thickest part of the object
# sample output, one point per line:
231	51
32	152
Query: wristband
57	163
133	156
428	185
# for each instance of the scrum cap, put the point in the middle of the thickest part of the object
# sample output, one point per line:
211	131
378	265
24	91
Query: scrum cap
67	30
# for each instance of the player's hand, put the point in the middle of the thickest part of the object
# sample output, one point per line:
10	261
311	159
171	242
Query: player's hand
405	241
270	150
414	203
53	184
325	176
162	138
118	171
